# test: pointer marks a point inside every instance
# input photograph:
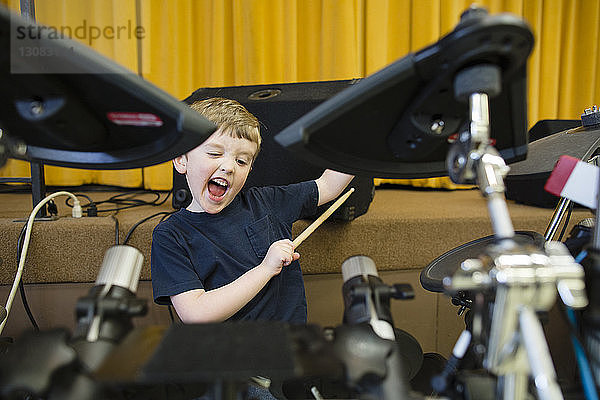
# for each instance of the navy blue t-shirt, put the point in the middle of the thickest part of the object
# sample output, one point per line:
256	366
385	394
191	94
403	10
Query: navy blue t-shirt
206	251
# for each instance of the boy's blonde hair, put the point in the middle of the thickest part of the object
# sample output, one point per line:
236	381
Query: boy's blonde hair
231	117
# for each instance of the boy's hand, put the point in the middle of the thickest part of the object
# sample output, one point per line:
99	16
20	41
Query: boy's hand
281	253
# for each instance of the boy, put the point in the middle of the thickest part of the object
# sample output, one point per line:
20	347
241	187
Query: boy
229	256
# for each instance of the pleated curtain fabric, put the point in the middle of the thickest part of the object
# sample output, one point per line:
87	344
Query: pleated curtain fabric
189	44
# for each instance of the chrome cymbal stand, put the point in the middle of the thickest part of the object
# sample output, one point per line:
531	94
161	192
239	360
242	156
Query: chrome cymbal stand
563	205
515	279
557	216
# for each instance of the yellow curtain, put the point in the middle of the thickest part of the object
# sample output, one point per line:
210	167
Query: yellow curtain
12	4
210	43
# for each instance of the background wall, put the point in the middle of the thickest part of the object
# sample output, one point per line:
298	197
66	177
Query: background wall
189	44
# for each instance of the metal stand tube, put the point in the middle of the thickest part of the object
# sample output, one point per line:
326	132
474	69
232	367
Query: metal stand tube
500	218
514	387
538	354
480	117
491	167
557	217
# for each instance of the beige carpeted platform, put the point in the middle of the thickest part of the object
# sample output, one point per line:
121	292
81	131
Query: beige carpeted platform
402	230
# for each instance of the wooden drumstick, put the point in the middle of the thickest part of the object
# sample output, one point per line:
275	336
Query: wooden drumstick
311	228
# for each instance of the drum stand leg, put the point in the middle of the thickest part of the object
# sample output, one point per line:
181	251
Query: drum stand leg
537	363
514	386
538	355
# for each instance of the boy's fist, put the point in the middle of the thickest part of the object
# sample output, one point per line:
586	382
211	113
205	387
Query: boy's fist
281	253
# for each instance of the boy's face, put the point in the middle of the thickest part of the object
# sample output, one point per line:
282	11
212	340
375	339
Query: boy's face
216	171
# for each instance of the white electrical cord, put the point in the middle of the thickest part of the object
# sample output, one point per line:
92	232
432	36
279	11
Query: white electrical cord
76	213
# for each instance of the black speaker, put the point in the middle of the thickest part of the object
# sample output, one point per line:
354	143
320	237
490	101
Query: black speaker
276	106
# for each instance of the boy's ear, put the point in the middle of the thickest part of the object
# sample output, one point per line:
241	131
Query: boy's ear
180	164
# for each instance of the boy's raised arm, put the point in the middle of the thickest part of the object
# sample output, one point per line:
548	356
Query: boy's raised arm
331	184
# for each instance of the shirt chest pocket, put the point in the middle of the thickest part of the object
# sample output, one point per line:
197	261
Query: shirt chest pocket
260	234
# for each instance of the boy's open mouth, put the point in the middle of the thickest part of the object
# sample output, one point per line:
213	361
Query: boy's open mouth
217	187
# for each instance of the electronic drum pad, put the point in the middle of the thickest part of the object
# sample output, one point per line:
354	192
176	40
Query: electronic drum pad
398	122
432	275
73	107
526	179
